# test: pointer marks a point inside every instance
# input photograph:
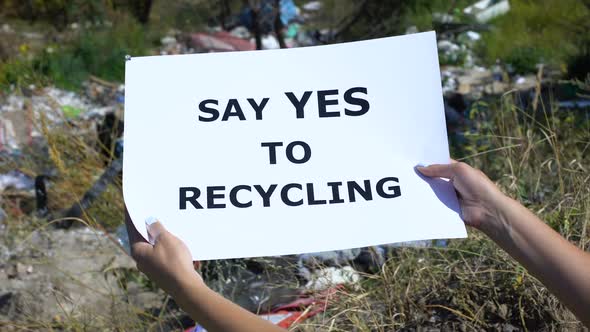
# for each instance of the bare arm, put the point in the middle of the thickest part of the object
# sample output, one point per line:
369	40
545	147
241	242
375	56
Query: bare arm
169	264
562	267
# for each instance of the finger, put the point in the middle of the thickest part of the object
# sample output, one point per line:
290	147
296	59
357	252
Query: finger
453	161
141	250
155	229
440	171
132	233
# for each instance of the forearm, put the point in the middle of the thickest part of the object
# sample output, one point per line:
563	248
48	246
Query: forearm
216	313
558	264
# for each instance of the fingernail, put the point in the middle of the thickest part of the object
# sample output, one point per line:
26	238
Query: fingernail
150	220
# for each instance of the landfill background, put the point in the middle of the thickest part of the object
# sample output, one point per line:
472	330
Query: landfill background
515	77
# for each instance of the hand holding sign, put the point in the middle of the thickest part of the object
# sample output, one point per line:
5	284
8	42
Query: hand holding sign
328	147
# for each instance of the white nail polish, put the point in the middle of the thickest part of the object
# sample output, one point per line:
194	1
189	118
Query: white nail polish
150	220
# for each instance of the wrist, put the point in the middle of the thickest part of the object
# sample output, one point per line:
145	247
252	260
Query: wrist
496	224
186	281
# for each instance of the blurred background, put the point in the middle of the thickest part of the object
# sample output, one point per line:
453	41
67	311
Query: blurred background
515	77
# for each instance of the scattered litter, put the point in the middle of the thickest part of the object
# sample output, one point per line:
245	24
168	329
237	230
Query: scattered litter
289	314
412	29
16	180
472	35
312	6
447	46
170	46
240	32
289	11
270	42
219	42
443	18
71	112
19	270
167	40
123	238
7	28
56	106
57	97
449	81
292	31
336	258
579	103
332	276
485	10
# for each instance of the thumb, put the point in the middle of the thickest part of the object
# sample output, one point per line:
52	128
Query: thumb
154	229
439	171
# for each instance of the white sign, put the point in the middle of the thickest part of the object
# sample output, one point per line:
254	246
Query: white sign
288	151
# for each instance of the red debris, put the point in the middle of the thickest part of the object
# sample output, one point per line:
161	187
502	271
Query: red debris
220	41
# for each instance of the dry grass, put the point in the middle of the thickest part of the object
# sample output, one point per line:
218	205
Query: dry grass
539	156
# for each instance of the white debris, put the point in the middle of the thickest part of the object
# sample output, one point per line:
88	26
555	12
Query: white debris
448	46
411	29
168	40
473	35
332	276
7	28
312	6
443	18
485	10
19	113
270	42
16	180
240	32
449	81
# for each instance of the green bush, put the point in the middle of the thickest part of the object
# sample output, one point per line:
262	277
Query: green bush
19	72
524	59
98	51
421	13
58	13
534	31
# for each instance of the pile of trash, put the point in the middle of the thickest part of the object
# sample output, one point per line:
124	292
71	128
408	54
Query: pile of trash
94	113
288	289
20	110
239	32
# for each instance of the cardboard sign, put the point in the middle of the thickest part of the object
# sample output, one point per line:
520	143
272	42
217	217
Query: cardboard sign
287	151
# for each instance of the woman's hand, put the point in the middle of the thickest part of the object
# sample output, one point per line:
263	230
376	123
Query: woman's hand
558	264
479	197
167	262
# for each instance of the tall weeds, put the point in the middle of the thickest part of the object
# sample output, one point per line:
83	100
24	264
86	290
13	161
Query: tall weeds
538	156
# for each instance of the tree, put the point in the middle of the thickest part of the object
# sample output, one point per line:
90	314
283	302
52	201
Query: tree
255	12
278	24
141	10
224	13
